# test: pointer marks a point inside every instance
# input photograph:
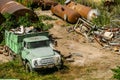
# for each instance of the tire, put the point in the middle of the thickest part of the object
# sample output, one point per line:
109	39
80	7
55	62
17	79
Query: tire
11	55
28	67
23	62
61	65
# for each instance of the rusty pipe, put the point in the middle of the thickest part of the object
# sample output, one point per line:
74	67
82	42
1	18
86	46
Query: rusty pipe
65	13
84	11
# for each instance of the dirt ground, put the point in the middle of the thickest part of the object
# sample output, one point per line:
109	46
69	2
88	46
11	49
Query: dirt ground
4	58
99	61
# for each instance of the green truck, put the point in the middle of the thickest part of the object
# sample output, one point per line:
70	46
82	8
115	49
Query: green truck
34	50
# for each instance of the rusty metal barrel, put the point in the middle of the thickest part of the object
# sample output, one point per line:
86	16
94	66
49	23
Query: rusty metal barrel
84	11
16	9
65	13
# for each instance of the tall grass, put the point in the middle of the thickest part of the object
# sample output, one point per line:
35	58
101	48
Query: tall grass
15	70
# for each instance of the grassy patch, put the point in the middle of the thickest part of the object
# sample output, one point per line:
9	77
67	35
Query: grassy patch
15	70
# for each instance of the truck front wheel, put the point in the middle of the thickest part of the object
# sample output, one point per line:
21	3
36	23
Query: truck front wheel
28	67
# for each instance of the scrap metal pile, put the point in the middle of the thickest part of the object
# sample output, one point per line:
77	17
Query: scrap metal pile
107	37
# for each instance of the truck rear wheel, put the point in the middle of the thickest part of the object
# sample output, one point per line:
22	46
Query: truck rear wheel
28	68
11	55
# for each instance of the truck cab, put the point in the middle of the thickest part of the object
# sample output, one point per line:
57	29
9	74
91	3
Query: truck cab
37	53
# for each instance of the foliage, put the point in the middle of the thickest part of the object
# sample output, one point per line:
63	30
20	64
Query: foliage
25	2
15	70
25	21
61	1
102	20
116	73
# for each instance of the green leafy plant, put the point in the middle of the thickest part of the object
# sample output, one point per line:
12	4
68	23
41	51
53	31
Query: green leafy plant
24	20
102	20
116	73
25	2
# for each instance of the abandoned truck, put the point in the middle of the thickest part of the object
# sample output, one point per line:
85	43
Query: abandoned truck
34	50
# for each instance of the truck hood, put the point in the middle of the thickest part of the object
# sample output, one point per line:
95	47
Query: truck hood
41	52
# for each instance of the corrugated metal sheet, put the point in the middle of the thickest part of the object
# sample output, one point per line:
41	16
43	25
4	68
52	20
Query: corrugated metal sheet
2	2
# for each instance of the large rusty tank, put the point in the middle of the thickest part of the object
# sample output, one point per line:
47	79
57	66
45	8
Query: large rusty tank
84	11
65	13
16	9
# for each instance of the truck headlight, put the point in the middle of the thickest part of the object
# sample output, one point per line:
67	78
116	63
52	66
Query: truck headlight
57	59
35	63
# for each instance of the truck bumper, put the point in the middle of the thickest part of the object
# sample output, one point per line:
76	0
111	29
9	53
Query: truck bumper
44	66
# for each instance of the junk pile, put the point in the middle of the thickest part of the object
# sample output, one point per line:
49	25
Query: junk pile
25	30
107	37
3	50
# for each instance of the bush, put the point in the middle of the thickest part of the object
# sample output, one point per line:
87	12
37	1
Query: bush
116	73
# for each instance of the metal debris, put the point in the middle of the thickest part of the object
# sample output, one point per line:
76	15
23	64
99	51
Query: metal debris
109	36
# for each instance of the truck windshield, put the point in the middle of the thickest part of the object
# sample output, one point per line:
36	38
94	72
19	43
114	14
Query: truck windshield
38	44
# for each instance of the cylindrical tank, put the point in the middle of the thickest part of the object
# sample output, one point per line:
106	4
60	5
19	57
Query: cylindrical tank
16	9
84	11
65	13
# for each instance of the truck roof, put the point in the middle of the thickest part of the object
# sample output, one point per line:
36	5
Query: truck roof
36	38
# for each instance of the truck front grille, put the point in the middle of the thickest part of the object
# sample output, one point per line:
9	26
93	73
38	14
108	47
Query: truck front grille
47	61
